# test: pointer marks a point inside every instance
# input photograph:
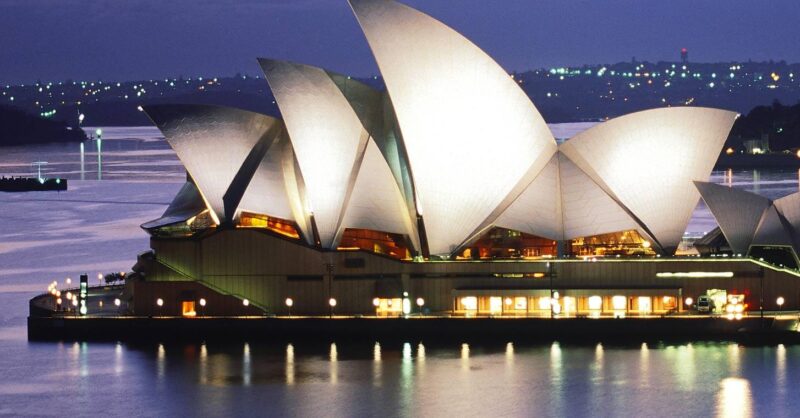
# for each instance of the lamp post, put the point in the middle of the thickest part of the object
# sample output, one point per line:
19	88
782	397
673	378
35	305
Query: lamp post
780	302
160	304
99	133
202	302
332	303
420	304
289	304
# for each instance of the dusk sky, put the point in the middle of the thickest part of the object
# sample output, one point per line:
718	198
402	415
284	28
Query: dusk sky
139	39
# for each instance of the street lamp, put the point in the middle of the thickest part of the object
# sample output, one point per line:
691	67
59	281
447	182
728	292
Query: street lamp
202	303
289	304
332	303
245	302
160	303
420	304
780	302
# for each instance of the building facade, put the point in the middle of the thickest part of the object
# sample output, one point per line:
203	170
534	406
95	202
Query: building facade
444	193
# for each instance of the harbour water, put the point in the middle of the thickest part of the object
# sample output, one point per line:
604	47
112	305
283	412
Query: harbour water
93	228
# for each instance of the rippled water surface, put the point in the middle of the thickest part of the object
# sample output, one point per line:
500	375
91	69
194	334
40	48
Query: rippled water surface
93	228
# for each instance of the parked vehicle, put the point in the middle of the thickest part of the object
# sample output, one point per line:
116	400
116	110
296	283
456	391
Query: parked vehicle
705	304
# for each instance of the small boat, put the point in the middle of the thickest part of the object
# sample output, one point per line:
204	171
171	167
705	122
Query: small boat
31	184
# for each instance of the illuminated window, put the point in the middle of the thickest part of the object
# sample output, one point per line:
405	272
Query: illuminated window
389	307
570	305
277	225
595	303
645	304
378	242
470	303
623	243
544	303
521	303
187	308
619	303
495	305
502	243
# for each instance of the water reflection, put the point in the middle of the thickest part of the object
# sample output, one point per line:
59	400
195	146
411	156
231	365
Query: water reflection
377	367
685	367
289	364
734	398
246	367
644	366
780	368
334	364
516	379
118	359
161	356
203	364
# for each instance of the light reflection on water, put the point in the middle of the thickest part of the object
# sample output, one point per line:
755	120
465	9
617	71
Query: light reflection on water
407	378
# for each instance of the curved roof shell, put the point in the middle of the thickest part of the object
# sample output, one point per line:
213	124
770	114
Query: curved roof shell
327	136
647	160
474	139
220	147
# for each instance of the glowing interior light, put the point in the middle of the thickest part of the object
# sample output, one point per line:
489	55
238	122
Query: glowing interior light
619	303
470	303
595	303
697	274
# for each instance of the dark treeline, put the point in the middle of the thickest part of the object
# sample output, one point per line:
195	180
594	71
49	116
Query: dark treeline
777	124
18	127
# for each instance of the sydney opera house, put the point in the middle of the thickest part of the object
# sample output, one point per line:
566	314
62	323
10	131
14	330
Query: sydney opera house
446	193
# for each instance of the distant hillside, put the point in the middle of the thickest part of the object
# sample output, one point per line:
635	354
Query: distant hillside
20	128
778	125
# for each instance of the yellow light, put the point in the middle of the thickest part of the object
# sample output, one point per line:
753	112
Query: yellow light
780	301
332	302
74	302
376	302
58	301
202	302
739	308
619	302
689	301
160	302
697	274
289	302
645	244
595	303
420	302
729	151
245	302
508	301
729	308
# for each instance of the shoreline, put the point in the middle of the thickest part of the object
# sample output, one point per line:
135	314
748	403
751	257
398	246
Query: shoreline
749	330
